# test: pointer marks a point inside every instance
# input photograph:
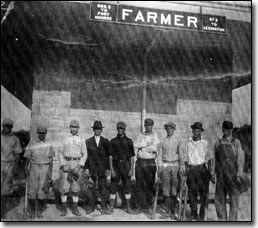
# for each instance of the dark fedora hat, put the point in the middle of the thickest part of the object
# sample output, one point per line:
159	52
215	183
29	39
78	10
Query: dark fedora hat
227	125
197	125
97	125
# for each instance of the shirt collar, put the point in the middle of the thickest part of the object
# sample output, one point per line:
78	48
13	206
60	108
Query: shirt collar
191	139
229	139
71	135
121	137
44	140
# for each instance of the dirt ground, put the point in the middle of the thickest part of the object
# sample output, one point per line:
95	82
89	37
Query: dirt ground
15	209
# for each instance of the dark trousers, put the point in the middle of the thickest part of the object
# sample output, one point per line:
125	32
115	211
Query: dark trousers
248	163
121	169
225	186
145	171
102	184
198	179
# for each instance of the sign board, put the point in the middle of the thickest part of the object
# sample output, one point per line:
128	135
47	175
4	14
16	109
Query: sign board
156	18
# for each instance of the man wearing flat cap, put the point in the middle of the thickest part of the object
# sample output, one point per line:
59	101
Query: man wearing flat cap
39	164
145	170
229	163
121	156
198	176
97	167
10	157
170	163
72	156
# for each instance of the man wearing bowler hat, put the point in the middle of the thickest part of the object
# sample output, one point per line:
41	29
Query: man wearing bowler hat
121	155
197	173
10	157
170	163
229	163
72	156
97	167
145	168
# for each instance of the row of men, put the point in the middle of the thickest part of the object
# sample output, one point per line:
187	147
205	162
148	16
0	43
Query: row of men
99	158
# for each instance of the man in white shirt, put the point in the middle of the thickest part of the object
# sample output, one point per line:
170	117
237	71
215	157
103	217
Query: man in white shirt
72	156
145	169
198	176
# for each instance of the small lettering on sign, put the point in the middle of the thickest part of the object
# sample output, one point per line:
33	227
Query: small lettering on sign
155	17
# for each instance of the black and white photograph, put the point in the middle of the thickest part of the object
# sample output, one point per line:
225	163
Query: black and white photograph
126	111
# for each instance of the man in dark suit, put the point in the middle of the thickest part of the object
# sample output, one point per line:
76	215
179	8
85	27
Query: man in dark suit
97	167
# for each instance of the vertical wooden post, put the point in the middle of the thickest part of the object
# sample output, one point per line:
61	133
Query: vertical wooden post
144	92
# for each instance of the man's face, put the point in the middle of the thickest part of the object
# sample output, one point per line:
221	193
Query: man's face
226	132
148	128
120	131
170	131
7	129
196	133
74	130
97	132
41	136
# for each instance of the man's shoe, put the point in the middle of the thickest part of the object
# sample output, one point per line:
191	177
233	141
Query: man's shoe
75	210
89	211
173	217
108	211
64	209
128	210
137	211
193	218
149	211
165	215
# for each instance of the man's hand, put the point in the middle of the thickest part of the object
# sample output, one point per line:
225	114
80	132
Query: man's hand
159	171
107	172
87	172
130	174
65	169
77	170
213	179
113	173
238	180
182	170
49	175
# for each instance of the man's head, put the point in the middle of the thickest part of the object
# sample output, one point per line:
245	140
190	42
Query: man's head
170	127
227	127
121	126
7	126
148	125
41	131
197	130
74	127
97	128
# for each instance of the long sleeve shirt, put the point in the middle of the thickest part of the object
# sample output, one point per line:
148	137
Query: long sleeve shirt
73	146
168	151
196	152
147	145
237	149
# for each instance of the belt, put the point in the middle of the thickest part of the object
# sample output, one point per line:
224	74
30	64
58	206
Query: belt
195	166
170	163
145	159
72	159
